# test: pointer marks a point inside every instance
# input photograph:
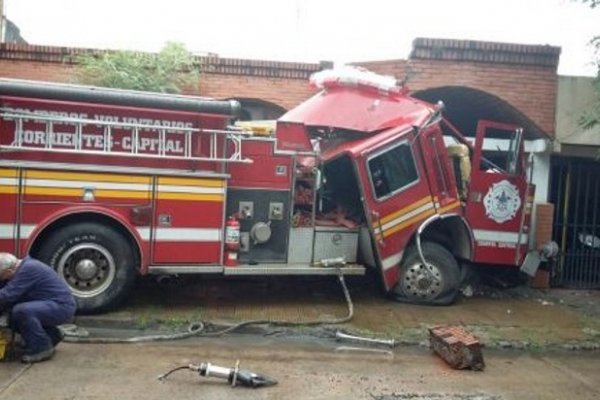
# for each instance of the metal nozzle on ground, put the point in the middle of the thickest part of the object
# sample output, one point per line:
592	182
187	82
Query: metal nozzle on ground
235	376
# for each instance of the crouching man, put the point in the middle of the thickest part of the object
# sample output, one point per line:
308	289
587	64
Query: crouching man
40	300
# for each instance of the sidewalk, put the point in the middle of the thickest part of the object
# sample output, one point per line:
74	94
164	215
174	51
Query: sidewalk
515	318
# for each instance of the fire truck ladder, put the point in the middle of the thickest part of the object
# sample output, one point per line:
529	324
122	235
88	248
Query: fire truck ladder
46	139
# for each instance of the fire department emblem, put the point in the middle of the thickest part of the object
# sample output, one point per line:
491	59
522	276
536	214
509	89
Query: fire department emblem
502	201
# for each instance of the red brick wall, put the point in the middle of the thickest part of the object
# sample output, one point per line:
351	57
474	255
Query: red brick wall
530	89
524	76
42	71
284	92
282	83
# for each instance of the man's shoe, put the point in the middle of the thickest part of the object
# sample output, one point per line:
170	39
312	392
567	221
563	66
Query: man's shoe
38	357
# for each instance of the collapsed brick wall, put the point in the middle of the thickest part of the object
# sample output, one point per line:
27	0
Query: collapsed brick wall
524	76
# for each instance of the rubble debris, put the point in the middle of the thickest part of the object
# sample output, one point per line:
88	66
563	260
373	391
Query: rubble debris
468	291
457	347
303	195
302	219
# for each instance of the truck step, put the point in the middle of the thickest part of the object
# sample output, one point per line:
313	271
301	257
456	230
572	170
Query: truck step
257	270
292	269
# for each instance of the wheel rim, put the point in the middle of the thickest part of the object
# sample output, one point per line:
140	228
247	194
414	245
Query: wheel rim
422	282
88	269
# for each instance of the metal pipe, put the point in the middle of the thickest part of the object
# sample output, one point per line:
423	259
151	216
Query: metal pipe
92	94
359	339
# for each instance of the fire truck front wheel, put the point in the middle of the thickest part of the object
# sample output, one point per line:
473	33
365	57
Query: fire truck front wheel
436	283
95	260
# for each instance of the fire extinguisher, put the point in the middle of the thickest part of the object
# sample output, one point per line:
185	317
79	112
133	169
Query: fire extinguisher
232	241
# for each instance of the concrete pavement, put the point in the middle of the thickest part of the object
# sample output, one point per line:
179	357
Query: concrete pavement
304	370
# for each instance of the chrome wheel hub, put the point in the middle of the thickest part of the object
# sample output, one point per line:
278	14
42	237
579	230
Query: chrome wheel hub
423	282
88	269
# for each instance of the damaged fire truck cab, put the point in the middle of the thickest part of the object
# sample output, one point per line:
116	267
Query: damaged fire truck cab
423	198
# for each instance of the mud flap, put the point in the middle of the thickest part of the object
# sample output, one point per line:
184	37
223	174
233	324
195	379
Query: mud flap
531	263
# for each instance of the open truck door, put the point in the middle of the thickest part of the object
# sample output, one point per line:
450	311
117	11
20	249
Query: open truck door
499	202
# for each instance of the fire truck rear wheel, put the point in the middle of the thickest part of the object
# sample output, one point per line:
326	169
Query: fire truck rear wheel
95	260
435	284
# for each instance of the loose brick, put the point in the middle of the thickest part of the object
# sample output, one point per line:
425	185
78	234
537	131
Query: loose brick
457	347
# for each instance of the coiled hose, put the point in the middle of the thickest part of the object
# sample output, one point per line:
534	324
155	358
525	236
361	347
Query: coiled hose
198	328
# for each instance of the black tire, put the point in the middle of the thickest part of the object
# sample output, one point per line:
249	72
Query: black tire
96	261
437	285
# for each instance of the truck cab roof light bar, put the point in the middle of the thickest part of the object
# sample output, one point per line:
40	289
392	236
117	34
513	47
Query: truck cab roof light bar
355	77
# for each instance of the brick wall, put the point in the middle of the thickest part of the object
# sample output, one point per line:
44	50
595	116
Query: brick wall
524	76
284	92
281	83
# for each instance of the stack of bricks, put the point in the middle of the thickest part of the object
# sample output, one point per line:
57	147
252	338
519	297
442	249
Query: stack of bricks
457	347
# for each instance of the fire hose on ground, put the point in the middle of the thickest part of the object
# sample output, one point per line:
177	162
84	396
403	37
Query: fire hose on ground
198	328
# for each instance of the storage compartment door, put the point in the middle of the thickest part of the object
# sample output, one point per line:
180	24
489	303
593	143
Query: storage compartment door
188	222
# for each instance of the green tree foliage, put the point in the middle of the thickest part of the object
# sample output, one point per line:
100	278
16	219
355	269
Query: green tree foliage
168	71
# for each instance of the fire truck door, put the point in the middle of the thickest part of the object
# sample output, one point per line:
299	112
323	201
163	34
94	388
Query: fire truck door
498	195
397	198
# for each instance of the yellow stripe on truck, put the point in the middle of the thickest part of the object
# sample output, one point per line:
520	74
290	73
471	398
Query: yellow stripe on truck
408	222
219	183
190	196
77	192
66	184
8	190
9	181
170	188
8	173
449	207
405	210
77	176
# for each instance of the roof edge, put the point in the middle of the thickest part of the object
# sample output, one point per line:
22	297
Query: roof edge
489	52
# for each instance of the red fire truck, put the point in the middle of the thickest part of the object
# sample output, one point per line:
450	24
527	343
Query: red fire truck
105	185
